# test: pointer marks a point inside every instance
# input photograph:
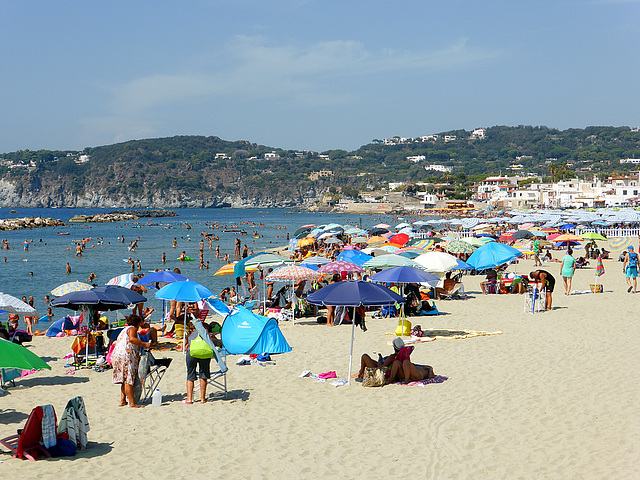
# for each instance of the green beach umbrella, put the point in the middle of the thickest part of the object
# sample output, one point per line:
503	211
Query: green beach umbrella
592	236
13	355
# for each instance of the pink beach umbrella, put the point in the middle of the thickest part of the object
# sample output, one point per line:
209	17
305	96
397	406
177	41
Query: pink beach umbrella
340	266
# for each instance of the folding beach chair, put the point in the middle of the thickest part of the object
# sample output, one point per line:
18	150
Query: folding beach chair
150	373
455	293
534	301
218	379
26	443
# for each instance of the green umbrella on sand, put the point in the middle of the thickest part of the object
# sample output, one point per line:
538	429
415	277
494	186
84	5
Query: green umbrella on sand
592	236
13	355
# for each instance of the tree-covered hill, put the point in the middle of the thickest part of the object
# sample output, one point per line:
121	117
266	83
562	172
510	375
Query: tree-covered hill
208	171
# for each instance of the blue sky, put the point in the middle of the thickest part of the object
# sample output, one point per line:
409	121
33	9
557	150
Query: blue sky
310	74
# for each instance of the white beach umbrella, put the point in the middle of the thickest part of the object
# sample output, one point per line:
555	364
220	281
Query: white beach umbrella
437	261
11	304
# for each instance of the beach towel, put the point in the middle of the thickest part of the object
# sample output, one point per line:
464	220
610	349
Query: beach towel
426	381
74	422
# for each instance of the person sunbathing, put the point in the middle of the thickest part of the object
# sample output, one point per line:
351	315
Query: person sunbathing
398	365
447	286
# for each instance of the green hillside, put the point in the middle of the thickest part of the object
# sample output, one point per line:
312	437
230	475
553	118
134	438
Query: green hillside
187	167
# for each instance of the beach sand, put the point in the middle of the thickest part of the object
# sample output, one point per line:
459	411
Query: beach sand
554	396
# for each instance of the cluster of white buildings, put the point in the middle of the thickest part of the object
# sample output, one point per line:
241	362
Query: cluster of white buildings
477	134
505	192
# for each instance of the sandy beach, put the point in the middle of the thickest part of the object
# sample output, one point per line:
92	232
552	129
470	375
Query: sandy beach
554	396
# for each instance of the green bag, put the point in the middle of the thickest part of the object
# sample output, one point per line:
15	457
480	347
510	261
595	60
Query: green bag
198	348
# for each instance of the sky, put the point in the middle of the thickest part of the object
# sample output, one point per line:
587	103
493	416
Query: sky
310	75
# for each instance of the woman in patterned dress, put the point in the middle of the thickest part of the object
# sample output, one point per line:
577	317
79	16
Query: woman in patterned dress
125	357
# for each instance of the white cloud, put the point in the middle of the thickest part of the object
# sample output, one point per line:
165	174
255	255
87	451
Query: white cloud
253	67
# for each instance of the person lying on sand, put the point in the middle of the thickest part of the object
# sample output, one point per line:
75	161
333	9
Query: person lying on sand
398	365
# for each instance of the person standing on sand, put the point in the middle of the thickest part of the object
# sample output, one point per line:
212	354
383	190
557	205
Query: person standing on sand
125	358
630	269
567	271
536	251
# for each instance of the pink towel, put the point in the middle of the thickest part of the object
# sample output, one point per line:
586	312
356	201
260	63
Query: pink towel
328	375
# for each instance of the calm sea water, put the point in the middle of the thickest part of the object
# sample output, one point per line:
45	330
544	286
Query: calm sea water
49	252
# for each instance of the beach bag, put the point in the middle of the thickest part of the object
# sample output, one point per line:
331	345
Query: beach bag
198	348
403	328
373	377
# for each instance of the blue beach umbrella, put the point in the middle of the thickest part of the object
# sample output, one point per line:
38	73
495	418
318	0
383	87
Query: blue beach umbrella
353	293
164	276
491	255
354	256
184	291
462	266
404	274
106	297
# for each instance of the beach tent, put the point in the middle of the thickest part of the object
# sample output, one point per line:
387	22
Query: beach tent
65	323
244	332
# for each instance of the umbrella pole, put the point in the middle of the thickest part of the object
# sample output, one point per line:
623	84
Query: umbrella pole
184	332
294	300
353	330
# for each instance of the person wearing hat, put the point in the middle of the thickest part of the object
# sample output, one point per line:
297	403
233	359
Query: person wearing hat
630	268
398	365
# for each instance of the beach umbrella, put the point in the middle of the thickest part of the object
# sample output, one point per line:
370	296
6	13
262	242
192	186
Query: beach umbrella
354	293
386	261
382	225
410	253
458	246
125	280
302	230
309	225
355	240
332	240
437	261
315	261
11	304
616	244
340	266
13	355
184	291
592	236
354	256
567	237
388	248
164	276
405	274
491	255
539	233
378	231
104	298
522	234
462	266
400	239
478	241
376	239
305	242
423	244
293	273
70	287
228	269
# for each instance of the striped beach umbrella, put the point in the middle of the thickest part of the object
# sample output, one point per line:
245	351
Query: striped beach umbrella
599	267
125	280
228	269
70	287
619	243
293	273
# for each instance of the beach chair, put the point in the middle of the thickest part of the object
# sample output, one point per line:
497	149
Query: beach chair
218	379
155	370
26	443
534	301
455	294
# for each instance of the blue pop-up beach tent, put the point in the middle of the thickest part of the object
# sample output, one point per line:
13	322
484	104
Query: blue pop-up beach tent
65	323
244	332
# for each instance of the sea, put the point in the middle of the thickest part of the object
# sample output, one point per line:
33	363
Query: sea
43	267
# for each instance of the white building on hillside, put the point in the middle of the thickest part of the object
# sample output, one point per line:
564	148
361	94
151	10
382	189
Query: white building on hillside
416	158
478	133
439	168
